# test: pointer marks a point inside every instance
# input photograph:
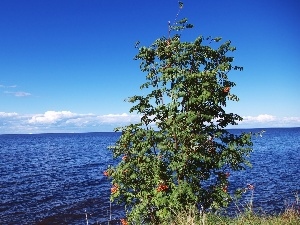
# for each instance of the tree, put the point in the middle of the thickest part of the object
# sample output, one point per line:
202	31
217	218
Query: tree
180	153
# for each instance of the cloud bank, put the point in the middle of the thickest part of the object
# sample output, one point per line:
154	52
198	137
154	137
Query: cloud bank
265	121
62	121
66	121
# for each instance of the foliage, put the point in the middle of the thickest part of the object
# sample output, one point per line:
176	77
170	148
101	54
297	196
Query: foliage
180	154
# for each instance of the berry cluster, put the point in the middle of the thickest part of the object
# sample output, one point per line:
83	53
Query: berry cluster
226	89
114	188
105	173
162	187
124	222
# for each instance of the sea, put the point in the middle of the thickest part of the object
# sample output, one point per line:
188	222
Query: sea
58	178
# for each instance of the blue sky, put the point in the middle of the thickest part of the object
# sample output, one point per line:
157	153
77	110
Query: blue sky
67	65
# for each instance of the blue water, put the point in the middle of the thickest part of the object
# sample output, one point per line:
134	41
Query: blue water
58	178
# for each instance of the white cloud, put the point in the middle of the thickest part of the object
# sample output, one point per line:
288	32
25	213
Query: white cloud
4	86
117	118
67	121
51	117
18	93
291	120
4	114
266	120
260	118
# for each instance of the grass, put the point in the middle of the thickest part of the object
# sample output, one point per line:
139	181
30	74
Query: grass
291	216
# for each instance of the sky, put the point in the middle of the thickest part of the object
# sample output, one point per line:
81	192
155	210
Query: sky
67	65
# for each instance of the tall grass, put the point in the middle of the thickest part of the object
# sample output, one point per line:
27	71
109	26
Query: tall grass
291	216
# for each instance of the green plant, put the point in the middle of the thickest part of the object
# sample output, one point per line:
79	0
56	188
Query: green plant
180	154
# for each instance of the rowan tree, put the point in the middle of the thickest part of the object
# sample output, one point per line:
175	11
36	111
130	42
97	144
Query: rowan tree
180	153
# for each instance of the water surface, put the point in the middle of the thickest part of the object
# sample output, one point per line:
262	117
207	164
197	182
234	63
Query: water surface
57	178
